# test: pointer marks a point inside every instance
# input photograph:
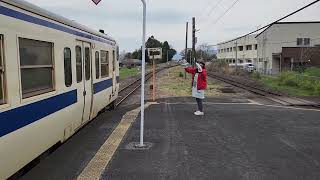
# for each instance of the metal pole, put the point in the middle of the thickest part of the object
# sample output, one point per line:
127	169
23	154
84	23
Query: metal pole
153	79
143	71
186	50
193	41
236	55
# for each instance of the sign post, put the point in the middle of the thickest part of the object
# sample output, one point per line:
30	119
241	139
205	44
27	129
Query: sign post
154	53
141	144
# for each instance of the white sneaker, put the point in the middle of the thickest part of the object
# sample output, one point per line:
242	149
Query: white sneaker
198	113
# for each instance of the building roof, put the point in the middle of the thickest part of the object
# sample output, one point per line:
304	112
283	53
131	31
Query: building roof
240	37
301	22
52	16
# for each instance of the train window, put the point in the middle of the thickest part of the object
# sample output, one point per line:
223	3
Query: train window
67	67
79	63
36	63
87	63
104	63
97	58
118	53
2	101
114	60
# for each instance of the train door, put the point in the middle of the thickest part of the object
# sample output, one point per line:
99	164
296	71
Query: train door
114	75
86	83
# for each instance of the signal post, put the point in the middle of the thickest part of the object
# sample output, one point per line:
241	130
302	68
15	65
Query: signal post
154	54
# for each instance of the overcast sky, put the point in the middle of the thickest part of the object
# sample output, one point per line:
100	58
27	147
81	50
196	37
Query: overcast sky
166	18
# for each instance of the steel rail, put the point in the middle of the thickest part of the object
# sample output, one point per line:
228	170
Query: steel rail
262	92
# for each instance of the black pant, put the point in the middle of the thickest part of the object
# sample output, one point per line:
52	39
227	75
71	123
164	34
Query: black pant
200	106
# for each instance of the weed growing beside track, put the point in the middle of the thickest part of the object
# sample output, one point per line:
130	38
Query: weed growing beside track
294	83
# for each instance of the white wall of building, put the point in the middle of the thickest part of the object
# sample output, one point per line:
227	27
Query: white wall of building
271	41
227	51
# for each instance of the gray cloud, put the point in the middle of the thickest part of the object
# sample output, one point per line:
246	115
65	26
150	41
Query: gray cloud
166	18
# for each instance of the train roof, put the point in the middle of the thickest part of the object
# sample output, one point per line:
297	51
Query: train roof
44	13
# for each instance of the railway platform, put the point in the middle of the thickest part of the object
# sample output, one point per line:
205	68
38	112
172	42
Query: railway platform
236	139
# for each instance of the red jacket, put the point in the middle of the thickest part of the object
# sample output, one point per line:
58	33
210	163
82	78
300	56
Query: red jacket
202	78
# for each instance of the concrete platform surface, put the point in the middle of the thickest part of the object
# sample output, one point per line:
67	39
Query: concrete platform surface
235	140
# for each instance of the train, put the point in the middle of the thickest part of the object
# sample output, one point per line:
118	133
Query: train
55	76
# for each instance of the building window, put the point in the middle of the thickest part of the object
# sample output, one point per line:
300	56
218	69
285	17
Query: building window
36	63
97	58
255	46
231	49
299	41
234	48
79	63
67	67
87	63
240	48
104	63
306	41
118	53
303	41
2	98
249	47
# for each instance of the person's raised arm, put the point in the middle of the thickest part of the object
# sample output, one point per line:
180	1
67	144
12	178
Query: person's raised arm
190	70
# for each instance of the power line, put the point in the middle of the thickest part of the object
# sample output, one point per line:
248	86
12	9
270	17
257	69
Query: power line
264	27
218	19
224	13
212	9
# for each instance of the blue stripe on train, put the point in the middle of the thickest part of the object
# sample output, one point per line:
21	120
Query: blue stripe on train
18	15
17	118
100	86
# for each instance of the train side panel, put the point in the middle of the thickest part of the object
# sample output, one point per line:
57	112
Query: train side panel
38	122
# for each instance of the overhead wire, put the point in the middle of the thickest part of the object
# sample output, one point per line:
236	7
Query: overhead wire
211	9
223	14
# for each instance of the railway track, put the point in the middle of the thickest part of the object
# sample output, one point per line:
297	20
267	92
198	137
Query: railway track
128	90
273	96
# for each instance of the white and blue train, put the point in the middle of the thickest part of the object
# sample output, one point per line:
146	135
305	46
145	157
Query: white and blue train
55	76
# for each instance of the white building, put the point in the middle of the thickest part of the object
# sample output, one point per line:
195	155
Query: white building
246	53
284	35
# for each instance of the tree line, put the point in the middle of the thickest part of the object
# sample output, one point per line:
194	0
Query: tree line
152	42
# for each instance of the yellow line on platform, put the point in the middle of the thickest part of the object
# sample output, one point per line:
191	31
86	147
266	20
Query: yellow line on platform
99	162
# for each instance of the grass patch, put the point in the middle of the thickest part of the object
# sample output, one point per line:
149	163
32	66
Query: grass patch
125	72
294	83
174	84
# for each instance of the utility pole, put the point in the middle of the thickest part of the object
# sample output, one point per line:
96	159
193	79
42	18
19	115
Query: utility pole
236	55
193	40
186	50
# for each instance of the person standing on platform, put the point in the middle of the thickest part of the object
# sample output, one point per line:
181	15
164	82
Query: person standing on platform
199	84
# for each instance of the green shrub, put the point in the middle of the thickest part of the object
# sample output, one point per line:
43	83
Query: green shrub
181	74
307	84
317	89
256	75
313	71
288	79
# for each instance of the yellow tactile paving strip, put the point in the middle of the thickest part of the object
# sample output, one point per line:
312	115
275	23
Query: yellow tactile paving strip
101	159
